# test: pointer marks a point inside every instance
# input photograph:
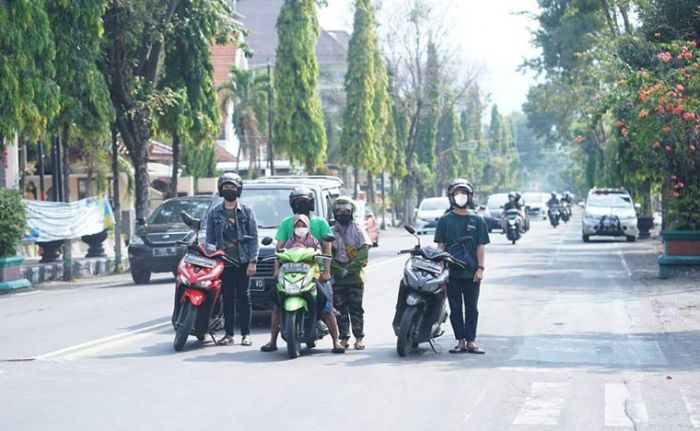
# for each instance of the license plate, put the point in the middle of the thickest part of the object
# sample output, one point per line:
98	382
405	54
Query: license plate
426	265
257	284
200	261
165	251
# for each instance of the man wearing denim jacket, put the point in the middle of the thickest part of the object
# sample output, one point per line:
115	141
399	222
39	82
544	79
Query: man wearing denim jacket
228	222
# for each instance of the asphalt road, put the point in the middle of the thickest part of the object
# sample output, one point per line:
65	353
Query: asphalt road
572	343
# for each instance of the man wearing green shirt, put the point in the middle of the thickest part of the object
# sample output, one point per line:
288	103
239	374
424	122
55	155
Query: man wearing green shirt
302	202
463	235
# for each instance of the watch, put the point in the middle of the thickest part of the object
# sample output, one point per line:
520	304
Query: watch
480	267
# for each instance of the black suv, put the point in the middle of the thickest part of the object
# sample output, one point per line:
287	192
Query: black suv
269	199
153	247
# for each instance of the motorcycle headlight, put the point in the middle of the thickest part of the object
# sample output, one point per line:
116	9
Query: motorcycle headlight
136	240
293	287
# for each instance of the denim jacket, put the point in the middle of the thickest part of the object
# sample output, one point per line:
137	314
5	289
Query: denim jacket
246	225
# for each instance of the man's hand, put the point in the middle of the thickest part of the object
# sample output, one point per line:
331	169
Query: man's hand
251	269
478	275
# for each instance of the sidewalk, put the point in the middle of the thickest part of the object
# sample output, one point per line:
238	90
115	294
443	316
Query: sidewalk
38	273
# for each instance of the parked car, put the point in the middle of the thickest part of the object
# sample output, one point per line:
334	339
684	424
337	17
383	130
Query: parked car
429	211
269	199
609	212
536	204
366	217
153	247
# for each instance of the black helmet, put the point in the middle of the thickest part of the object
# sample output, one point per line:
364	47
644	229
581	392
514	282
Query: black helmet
514	196
459	183
230	178
302	193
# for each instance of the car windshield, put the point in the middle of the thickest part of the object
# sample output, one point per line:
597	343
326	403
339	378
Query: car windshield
270	205
615	201
170	211
497	200
434	204
535	198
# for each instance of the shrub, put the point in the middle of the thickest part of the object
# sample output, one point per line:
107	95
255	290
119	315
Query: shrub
12	221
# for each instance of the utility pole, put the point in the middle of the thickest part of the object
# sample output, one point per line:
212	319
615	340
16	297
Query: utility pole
270	153
383	225
117	205
42	194
64	172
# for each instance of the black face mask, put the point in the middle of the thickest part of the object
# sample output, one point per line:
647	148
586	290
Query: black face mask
230	195
343	219
301	207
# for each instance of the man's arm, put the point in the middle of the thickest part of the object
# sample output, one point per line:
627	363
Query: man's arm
480	259
327	248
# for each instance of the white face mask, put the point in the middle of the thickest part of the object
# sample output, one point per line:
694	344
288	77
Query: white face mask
461	200
301	231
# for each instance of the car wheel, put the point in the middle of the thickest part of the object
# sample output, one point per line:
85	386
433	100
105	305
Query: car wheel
586	238
140	275
631	238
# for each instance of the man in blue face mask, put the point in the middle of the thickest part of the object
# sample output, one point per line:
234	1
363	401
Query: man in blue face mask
463	235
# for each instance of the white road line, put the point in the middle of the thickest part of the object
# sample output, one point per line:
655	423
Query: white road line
621	406
73	350
624	262
544	404
692	406
468	414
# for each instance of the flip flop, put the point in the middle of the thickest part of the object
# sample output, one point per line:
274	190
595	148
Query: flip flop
475	350
246	341
458	349
359	345
225	341
338	350
268	348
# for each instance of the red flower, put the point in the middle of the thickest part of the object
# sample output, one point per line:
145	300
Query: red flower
668	148
691	148
660	109
624	132
679	87
579	139
620	123
678	110
664	56
657	145
692	43
674	178
643	113
676	194
689	116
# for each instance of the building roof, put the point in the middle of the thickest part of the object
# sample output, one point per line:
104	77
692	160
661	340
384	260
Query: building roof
260	18
222	155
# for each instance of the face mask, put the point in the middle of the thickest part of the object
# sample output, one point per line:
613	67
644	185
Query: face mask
461	200
230	195
343	218
301	232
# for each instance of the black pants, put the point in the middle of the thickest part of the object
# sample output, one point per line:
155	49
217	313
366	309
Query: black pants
464	316
236	297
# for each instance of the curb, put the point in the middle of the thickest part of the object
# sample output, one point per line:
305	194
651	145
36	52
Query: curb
84	268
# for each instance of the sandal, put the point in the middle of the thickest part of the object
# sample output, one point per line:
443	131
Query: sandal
226	341
246	341
359	345
344	343
475	350
458	349
338	350
268	348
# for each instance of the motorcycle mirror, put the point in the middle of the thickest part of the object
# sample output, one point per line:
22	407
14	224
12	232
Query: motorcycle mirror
140	221
328	238
332	223
190	221
410	230
267	240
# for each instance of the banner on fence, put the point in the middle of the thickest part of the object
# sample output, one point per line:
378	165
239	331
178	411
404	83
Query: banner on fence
51	221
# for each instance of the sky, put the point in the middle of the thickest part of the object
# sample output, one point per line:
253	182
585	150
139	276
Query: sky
490	35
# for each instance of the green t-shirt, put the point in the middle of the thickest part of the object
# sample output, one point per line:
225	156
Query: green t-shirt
319	228
452	227
231	234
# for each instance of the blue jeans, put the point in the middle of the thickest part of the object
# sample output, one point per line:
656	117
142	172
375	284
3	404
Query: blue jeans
464	316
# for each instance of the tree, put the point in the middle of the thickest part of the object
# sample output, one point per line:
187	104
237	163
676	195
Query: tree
193	118
449	138
136	35
298	127
246	90
28	91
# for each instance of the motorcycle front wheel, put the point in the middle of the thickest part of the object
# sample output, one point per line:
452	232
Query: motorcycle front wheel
291	330
185	322
406	331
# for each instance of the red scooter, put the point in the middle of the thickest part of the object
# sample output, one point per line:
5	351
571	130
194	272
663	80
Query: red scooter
198	307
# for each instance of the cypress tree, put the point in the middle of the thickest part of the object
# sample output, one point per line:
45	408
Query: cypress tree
298	127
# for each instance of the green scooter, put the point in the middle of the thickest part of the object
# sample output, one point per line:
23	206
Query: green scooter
297	286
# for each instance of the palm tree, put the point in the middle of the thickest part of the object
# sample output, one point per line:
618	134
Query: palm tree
246	89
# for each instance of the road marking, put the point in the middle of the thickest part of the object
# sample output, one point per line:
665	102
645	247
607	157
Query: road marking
624	262
692	406
544	404
622	407
468	414
72	351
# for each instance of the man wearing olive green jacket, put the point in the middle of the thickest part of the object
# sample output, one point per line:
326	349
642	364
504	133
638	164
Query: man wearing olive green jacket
350	255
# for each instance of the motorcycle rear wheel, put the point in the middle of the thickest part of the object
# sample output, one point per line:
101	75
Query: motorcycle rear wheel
291	330
188	315
406	329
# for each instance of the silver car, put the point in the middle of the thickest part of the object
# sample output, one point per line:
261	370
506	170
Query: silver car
609	212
